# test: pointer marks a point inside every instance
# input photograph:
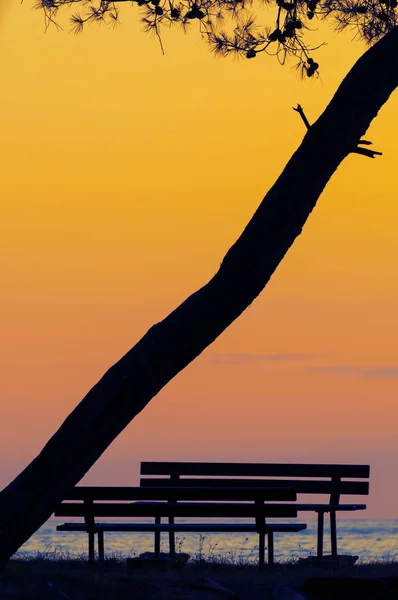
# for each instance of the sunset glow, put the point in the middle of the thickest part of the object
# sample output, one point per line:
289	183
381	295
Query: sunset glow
126	176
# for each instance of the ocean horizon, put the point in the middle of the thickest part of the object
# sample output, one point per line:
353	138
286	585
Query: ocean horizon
369	539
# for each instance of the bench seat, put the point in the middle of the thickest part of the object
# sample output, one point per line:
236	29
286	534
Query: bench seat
185	527
269	530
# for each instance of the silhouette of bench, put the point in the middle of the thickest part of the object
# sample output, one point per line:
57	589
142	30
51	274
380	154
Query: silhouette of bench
186	502
329	480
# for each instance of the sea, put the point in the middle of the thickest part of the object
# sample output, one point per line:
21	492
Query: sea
369	539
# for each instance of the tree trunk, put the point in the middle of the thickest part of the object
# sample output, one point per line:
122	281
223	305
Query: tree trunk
128	386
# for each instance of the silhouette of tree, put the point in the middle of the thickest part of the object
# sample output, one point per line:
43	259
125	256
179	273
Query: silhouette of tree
230	27
169	346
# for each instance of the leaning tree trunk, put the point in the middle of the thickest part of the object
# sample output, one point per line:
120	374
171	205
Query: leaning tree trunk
171	345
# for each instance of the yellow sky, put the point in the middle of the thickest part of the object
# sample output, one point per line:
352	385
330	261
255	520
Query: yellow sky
126	175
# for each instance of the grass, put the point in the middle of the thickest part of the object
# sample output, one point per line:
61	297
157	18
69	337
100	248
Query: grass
54	575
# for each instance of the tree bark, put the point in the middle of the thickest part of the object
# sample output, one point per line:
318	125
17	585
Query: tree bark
127	387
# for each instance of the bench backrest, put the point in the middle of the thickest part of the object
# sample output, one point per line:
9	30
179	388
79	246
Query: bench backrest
332	479
91	502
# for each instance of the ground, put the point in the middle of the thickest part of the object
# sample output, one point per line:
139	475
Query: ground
39	579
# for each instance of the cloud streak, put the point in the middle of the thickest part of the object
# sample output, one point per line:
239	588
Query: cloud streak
382	372
228	358
235	358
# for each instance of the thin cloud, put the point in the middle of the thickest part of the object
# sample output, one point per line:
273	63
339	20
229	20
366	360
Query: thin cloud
340	369
382	372
239	358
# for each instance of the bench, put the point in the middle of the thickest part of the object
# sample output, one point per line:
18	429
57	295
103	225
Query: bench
187	502
333	481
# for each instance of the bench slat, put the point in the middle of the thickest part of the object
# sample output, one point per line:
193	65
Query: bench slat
301	486
254	469
269	493
180	509
330	507
186	527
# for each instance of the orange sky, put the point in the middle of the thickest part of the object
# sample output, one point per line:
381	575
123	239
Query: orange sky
126	175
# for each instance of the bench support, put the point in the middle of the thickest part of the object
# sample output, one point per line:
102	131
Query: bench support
270	547
91	547
172	543
261	549
333	533
174	479
100	546
334	499
157	538
319	551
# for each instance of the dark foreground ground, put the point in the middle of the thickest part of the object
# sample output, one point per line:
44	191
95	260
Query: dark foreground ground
40	579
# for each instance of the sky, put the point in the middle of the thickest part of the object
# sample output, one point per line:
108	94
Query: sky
126	176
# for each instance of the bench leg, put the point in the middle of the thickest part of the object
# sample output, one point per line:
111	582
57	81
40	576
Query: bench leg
319	550
270	547
333	533
172	542
91	547
101	546
261	549
157	538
